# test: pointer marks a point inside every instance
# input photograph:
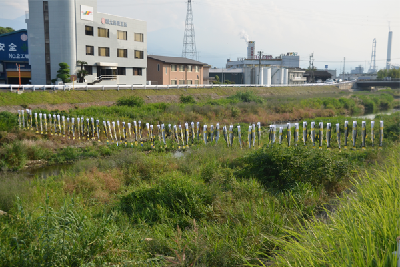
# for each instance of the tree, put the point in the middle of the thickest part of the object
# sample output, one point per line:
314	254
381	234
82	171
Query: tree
6	30
82	73
392	73
216	80
63	72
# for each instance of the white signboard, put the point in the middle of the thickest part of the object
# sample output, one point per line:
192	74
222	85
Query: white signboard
86	12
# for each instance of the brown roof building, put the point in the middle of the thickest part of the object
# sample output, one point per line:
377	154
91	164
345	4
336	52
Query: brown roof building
163	70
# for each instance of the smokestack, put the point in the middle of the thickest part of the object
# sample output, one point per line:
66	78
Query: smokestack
251	50
389	51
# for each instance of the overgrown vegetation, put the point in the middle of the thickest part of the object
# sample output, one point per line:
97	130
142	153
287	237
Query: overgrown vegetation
49	97
131	101
207	206
361	232
187	99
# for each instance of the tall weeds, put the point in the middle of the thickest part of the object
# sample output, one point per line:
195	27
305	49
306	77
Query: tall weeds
362	232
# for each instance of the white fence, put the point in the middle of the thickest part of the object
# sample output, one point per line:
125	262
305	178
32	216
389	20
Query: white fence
80	87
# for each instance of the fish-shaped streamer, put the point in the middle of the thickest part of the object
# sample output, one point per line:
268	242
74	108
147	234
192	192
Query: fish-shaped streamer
205	134
305	132
321	134
346	133
239	135
328	135
354	139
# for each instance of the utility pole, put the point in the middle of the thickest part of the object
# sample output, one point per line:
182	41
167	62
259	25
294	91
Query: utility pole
259	66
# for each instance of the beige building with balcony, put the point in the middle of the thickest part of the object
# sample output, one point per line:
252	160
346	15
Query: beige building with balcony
163	70
296	76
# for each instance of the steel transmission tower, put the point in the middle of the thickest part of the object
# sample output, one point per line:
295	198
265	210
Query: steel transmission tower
372	68
189	42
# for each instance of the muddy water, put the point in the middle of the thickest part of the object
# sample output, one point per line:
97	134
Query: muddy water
45	171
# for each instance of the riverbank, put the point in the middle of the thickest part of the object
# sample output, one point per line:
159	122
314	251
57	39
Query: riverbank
21	148
79	98
212	205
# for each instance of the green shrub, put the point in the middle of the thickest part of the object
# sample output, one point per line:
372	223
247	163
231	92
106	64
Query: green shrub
13	156
247	96
281	167
175	201
38	153
187	99
8	121
130	101
235	112
66	154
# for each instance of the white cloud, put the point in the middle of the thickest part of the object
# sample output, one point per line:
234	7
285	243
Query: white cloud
13	9
332	30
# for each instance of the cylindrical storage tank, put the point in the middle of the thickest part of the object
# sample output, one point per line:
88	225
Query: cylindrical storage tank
258	79
274	75
282	72
286	77
267	76
247	75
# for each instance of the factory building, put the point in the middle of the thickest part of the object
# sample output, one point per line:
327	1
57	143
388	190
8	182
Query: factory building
358	70
115	48
14	58
288	60
227	75
269	70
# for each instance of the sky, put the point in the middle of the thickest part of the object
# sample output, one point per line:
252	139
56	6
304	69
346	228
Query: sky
331	30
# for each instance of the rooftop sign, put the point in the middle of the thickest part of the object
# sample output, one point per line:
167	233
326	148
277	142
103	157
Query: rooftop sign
86	12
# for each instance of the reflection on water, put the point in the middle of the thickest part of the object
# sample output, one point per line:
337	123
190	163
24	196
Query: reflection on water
372	116
46	171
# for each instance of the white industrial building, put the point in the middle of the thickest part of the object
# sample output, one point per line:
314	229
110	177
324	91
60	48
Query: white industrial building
115	48
269	70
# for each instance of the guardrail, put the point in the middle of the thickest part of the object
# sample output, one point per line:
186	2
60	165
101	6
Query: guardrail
79	87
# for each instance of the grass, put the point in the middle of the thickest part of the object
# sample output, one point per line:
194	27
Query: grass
207	206
156	209
236	108
58	97
362	232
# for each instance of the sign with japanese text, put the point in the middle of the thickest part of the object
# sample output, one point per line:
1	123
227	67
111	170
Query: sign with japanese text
14	46
114	22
